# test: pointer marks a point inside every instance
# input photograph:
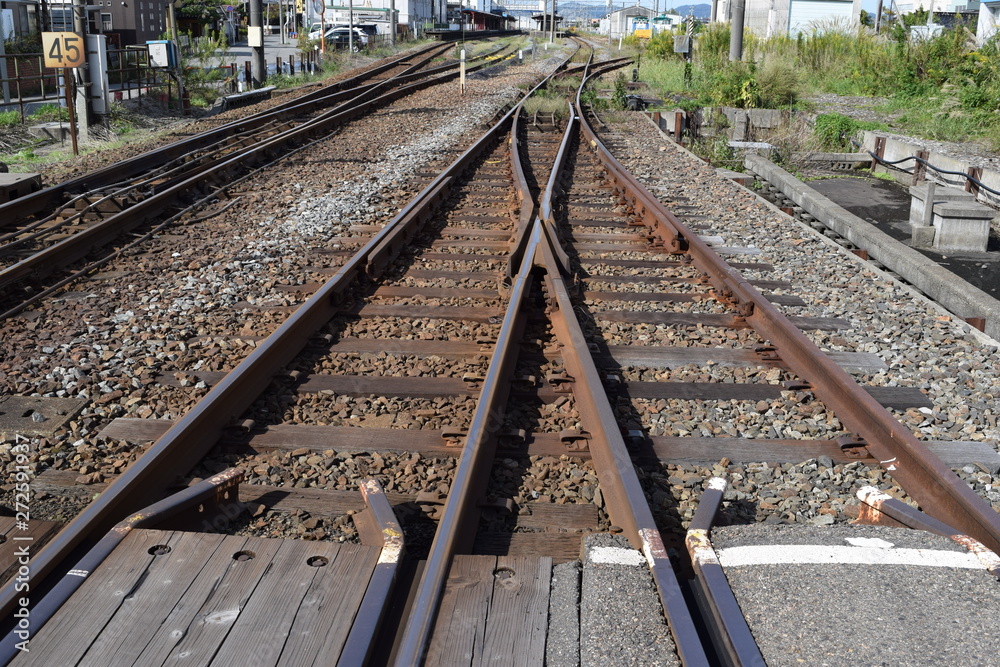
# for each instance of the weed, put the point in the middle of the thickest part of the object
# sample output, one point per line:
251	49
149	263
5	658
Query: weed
9	118
49	113
835	131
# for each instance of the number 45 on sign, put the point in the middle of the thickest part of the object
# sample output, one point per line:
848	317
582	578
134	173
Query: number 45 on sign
62	49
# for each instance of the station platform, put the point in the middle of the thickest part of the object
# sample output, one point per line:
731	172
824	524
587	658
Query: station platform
860	595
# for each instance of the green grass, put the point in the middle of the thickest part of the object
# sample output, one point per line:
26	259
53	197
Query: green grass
9	118
546	105
944	88
48	113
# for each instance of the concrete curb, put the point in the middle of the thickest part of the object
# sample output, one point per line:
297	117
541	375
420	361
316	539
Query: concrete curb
936	282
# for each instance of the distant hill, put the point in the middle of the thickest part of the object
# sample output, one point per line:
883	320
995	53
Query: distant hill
587	10
698	11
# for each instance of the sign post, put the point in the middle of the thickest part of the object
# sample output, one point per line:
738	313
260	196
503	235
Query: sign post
65	50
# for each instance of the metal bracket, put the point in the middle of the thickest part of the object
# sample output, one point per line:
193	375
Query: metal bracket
493	502
797	385
472	381
453	437
767	353
575	440
562	381
853	447
432	504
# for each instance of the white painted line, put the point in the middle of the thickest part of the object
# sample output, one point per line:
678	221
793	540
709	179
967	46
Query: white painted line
873	542
616	556
811	554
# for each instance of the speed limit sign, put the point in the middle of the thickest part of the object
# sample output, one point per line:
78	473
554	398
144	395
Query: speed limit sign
63	49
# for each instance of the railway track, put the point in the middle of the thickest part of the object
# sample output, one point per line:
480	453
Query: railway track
48	231
468	341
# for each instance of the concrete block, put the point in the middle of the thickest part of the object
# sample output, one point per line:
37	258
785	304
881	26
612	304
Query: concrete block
743	179
765	118
962	225
921	236
942	195
55	131
13	186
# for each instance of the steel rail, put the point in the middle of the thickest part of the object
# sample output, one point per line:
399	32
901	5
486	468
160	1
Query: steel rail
922	475
624	499
529	206
83	242
457	527
729	628
51	196
191	437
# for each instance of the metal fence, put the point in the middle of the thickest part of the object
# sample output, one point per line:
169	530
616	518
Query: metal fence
26	83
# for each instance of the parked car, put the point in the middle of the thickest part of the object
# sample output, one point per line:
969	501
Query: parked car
340	38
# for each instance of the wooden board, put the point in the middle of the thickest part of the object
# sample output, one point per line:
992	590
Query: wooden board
899	398
675	357
681	297
517	623
67	636
15	540
199	603
460	628
488	315
658	264
560	547
494	611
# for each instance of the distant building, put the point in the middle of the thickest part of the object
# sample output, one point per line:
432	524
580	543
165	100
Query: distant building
771	18
989	20
621	23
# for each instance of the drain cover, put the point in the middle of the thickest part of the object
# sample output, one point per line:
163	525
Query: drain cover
33	415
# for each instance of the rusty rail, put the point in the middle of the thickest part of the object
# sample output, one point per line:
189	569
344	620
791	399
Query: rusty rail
728	626
51	196
921	474
218	174
191	437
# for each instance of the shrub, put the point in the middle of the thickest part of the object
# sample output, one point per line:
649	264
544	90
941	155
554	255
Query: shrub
835	131
778	83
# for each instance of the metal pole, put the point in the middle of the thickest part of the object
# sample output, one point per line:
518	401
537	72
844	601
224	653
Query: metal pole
3	74
322	28
552	23
392	22
736	31
350	27
82	73
256	39
68	87
179	69
281	20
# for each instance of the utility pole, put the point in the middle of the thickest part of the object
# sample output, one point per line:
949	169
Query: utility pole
392	23
552	23
736	31
255	36
82	73
179	72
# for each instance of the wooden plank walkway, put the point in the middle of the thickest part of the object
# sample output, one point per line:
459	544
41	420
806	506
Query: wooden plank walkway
172	597
494	611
